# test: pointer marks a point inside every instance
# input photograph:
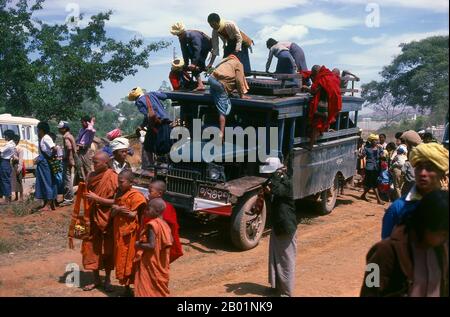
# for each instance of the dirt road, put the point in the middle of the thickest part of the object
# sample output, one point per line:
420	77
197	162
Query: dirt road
330	261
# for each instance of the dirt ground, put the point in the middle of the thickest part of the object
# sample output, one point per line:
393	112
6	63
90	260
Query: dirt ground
330	259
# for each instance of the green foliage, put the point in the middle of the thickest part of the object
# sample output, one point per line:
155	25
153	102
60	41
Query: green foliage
48	71
404	125
417	77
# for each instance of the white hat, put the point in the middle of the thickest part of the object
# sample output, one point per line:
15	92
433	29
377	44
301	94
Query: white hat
63	125
119	144
272	164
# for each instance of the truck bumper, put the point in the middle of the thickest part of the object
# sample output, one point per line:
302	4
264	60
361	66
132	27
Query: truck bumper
212	207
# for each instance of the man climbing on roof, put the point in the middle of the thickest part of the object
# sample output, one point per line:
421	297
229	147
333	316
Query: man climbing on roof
195	46
235	41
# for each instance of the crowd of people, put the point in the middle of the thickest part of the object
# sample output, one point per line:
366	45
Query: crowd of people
137	236
385	167
412	173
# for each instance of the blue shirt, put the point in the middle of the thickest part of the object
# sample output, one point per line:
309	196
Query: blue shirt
397	212
155	99
372	158
195	46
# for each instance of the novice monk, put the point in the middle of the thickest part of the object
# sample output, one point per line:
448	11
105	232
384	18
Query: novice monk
157	189
153	253
98	250
127	208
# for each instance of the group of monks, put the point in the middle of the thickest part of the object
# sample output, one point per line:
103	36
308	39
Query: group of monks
134	235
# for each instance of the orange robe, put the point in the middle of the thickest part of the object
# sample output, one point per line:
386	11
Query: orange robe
98	249
125	233
152	266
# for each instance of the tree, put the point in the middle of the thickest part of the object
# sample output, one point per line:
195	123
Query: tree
417	77
48	71
130	115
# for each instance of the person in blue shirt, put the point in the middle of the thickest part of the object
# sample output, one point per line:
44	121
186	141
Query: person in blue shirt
430	162
195	47
150	105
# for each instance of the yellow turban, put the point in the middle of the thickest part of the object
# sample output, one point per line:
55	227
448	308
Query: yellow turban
177	28
135	93
432	152
178	64
372	137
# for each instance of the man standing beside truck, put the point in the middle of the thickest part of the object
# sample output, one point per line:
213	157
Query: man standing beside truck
283	238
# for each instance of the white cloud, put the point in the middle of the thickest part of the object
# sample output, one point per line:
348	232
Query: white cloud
152	18
370	61
287	32
323	21
368	41
434	5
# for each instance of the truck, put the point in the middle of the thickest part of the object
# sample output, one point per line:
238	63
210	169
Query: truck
233	190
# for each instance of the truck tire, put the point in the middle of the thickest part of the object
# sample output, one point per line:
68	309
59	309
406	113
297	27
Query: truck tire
247	227
328	197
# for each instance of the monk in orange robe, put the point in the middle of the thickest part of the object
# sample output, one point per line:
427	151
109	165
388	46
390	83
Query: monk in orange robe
153	253
98	249
128	208
157	189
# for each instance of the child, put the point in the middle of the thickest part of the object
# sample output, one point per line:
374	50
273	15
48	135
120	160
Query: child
157	189
384	180
153	253
400	159
128	208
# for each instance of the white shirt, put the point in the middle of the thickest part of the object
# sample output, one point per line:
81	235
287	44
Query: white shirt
117	167
413	194
233	33
47	145
7	151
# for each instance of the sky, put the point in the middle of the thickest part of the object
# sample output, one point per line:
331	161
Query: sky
356	35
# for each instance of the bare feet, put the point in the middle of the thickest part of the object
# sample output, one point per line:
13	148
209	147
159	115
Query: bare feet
91	287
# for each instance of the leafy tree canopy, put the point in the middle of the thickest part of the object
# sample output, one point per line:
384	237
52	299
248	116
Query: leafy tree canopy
417	77
48	71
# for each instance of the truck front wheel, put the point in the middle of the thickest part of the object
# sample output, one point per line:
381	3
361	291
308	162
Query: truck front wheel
248	222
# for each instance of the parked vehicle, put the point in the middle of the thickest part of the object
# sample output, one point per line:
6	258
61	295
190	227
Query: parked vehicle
233	189
27	129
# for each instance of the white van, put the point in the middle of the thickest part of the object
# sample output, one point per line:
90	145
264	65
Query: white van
27	129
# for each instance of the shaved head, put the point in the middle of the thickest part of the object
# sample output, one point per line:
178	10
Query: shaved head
159	185
315	69
127	174
102	156
157	205
100	161
336	71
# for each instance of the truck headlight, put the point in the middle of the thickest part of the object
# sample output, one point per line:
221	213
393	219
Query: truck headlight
216	172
